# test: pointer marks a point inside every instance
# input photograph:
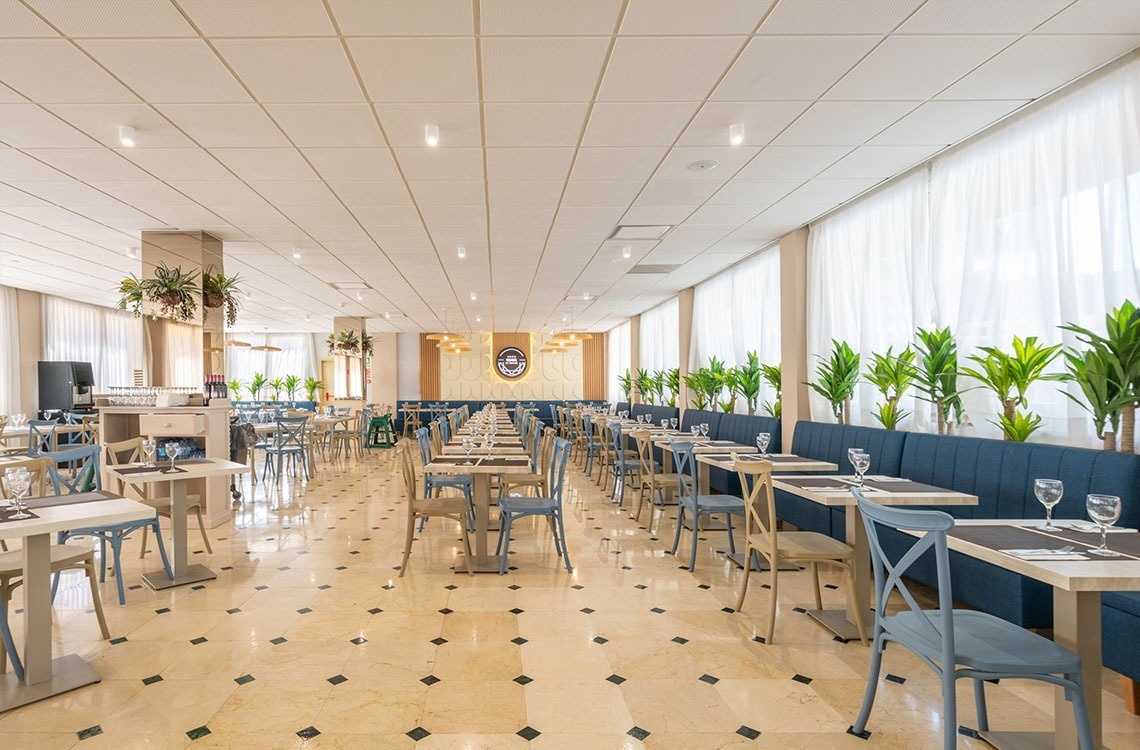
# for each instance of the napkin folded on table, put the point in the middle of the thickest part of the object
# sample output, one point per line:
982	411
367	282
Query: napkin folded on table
1092	528
1043	554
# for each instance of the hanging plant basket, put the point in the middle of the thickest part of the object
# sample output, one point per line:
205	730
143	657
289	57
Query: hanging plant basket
174	291
219	290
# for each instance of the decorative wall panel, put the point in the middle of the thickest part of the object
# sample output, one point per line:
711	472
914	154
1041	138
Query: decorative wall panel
429	369
594	368
472	377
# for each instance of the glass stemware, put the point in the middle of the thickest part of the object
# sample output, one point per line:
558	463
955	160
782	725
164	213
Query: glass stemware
149	446
664	424
861	461
468	446
1104	510
1048	492
673	422
762	441
19	480
704	429
695	430
173	450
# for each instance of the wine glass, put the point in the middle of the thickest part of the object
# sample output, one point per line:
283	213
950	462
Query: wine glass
695	430
489	442
173	450
861	461
468	446
673	422
664	424
704	429
19	480
762	441
1105	511
149	446
1048	492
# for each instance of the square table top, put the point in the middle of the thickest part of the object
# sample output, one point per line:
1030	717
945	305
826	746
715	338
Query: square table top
709	446
191	469
73	515
497	464
836	490
779	461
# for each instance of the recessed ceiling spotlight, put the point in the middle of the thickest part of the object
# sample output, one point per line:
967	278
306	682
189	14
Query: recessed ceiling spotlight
478	318
342	305
387	315
461	252
627	252
307	316
736	133
587	296
431	134
359	296
132	253
704	165
474	296
296	254
126	135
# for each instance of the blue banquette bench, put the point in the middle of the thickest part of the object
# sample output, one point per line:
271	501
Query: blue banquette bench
543	407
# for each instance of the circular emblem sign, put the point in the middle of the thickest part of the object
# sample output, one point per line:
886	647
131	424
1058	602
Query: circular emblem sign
511	362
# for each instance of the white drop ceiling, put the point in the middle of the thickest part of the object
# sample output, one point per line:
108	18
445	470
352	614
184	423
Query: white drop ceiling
298	126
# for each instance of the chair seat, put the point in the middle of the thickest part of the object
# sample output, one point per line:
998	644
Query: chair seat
524	478
985	642
436	480
12	563
527	504
807	546
439	506
713	503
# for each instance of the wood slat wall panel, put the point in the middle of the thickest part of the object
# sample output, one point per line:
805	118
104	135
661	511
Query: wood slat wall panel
519	340
594	367
429	369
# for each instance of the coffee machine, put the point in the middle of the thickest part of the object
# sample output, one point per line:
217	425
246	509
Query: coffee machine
66	387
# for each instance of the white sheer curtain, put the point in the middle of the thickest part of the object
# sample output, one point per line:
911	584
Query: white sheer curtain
737	312
1032	226
617	360
298	356
9	352
184	354
660	337
111	340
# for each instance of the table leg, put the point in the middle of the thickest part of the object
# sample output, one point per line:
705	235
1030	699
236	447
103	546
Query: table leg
179	561
842	622
1076	626
43	676
485	562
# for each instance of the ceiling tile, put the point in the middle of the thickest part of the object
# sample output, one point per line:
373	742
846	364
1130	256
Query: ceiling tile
404	124
537	69
1094	17
442	193
69	194
18	21
842	123
525	17
637	124
730	159
774	68
942	123
219	192
762	122
422	18
534	125
662	17
143	193
980	16
91	163
30	126
168	70
53	70
441	163
653	69
742	192
340	125
730	216
878	162
225	125
286	193
619	193
259	17
847	17
18	166
524	193
265	163
175	164
616	163
528	163
101	122
677	192
372	193
791	162
353	163
136	18
430	69
293	70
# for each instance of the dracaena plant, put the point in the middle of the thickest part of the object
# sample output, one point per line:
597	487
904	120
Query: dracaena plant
256	383
625	382
773	377
292	384
836	378
715	382
892	375
646	387
1119	348
750	377
936	375
1102	395
694	382
1009	377
671	379
275	387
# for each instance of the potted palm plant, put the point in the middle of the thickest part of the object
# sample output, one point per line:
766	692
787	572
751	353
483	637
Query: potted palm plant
312	385
625	382
836	378
1104	396
892	376
698	393
235	387
256	383
1009	377
1119	352
275	387
219	290
671	380
646	385
773	377
292	383
936	375
750	377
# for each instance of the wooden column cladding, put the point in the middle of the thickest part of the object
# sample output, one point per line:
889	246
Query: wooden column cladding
499	341
429	369
594	368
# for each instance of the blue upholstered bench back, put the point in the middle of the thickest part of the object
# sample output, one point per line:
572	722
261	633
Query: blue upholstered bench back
743	429
697	416
655	412
829	442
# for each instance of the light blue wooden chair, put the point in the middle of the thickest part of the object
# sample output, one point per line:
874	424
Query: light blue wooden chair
513	507
696	505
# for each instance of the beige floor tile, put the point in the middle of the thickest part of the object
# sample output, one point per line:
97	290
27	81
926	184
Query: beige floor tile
477	706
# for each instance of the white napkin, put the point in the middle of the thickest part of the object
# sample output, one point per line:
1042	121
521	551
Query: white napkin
887	479
1043	554
1092	528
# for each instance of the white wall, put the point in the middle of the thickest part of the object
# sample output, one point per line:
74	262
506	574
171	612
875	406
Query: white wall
470	377
408	366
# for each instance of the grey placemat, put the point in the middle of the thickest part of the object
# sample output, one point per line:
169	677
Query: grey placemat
6	515
80	497
1015	537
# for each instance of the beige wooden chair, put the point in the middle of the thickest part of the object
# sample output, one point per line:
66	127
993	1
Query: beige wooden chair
130	451
538	480
761	536
447	506
656	480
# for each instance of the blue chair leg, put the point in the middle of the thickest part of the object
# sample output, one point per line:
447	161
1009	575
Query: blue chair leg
677	531
116	547
949	709
859	728
693	551
565	551
731	541
505	540
980	705
162	549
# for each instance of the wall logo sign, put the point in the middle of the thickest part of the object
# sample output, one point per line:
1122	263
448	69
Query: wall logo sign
511	362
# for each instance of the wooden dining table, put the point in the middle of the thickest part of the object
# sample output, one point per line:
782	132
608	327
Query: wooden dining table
45	676
1077	584
835	491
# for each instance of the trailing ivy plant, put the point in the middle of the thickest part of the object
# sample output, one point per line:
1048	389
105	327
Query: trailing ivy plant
1009	377
219	290
892	376
836	378
773	377
936	375
175	291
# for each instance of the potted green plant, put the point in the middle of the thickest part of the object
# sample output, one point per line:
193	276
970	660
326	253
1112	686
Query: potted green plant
698	393
173	290
235	387
773	377
729	379
936	375
892	376
219	290
646	385
836	378
275	387
1120	351
1009	377
312	385
671	379
366	345
256	383
131	295
750	377
347	342
292	383
1105	398
625	382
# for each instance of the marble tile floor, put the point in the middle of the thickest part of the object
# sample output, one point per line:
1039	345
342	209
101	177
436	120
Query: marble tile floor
308	638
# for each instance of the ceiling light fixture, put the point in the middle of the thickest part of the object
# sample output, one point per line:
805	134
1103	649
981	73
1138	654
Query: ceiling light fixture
132	253
461	252
627	252
736	133
265	348
431	134
478	318
296	254
360	296
387	315
474	296
126	135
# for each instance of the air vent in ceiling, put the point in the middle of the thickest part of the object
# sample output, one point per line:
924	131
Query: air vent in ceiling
640	231
655	268
350	286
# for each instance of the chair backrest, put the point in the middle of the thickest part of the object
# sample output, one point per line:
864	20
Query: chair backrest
86	475
686	467
558	457
759	501
616	439
935	625
554	415
290	432
38	469
644	451
436	439
41	435
343	410
423	439
545	447
407	466
364	422
444	429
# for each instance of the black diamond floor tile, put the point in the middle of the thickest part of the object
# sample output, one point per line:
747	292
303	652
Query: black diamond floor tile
528	733
418	733
638	733
522	679
803	679
336	679
747	731
308	733
89	732
430	680
244	679
616	679
198	733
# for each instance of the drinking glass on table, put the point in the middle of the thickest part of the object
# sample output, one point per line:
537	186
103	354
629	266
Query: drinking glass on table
695	430
19	480
468	446
173	450
861	461
1104	510
489	441
149	446
1048	492
664	424
673	422
704	429
762	441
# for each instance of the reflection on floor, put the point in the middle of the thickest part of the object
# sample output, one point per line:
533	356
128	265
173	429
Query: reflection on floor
308	638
